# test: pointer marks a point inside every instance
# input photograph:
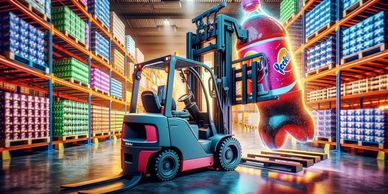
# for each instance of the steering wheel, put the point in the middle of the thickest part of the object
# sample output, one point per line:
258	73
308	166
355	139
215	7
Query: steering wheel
184	97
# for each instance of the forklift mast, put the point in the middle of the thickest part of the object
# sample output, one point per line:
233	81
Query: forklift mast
214	35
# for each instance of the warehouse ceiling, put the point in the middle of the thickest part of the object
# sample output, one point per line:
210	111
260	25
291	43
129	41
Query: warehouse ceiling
159	26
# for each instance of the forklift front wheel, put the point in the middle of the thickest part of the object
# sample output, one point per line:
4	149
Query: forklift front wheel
228	154
166	165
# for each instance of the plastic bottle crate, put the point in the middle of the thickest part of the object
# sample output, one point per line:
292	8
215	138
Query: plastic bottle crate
117	28
287	9
139	56
65	20
361	39
71	69
100	9
321	16
100	45
130	45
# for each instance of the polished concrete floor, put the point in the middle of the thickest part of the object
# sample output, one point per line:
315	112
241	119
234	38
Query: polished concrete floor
44	172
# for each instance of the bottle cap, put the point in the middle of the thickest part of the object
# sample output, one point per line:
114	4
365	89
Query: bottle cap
250	5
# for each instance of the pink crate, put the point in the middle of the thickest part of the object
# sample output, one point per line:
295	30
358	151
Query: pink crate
8	95
8	128
23	97
16	96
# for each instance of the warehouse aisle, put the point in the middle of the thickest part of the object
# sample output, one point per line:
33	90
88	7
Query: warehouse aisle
45	172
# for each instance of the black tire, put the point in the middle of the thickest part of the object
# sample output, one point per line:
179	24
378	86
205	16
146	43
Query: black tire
165	165
228	154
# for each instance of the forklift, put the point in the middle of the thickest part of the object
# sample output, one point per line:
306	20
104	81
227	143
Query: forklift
165	141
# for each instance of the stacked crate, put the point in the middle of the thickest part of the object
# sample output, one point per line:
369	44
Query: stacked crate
100	9
99	80
68	22
322	15
100	45
287	9
117	118
43	6
100	120
71	69
364	125
130	45
116	89
118	60
22	42
325	123
377	83
117	27
139	56
128	96
321	54
23	117
366	34
70	118
87	35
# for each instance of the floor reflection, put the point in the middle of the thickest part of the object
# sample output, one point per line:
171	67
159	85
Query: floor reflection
342	173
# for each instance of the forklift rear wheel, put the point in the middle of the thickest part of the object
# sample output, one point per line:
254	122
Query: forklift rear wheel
228	154
166	165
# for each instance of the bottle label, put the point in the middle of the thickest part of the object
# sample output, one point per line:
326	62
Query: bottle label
283	61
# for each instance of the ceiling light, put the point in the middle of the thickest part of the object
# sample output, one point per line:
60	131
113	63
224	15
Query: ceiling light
166	22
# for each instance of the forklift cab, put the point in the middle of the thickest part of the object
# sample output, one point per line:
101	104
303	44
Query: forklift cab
163	103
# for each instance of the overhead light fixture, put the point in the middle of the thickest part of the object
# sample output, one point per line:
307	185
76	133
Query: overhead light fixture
166	22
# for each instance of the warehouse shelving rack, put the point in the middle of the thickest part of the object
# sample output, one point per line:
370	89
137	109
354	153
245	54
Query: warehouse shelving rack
59	45
369	66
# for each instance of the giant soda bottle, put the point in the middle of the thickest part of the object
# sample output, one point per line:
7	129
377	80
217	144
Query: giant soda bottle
286	116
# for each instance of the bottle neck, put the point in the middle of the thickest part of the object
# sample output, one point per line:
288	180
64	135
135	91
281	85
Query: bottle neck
250	14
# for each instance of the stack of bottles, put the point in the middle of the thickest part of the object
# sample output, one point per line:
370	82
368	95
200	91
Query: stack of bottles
65	20
100	119
367	33
99	80
139	56
87	35
116	88
365	125
322	15
71	69
100	9
23	117
287	9
70	118
23	41
100	45
43	6
117	118
118	60
117	27
348	3
325	123
321	54
130	45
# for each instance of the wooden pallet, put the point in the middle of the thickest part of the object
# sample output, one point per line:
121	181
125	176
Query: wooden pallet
364	53
64	138
100	91
117	98
361	143
304	156
319	70
75	39
29	141
326	139
35	10
304	162
26	61
378	83
122	44
275	165
318	32
283	160
72	80
102	57
101	23
100	134
353	7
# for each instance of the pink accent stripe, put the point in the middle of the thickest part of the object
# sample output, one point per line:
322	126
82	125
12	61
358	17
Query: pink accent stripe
151	133
142	162
197	163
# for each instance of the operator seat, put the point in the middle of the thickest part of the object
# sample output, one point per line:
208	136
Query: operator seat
162	96
151	102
